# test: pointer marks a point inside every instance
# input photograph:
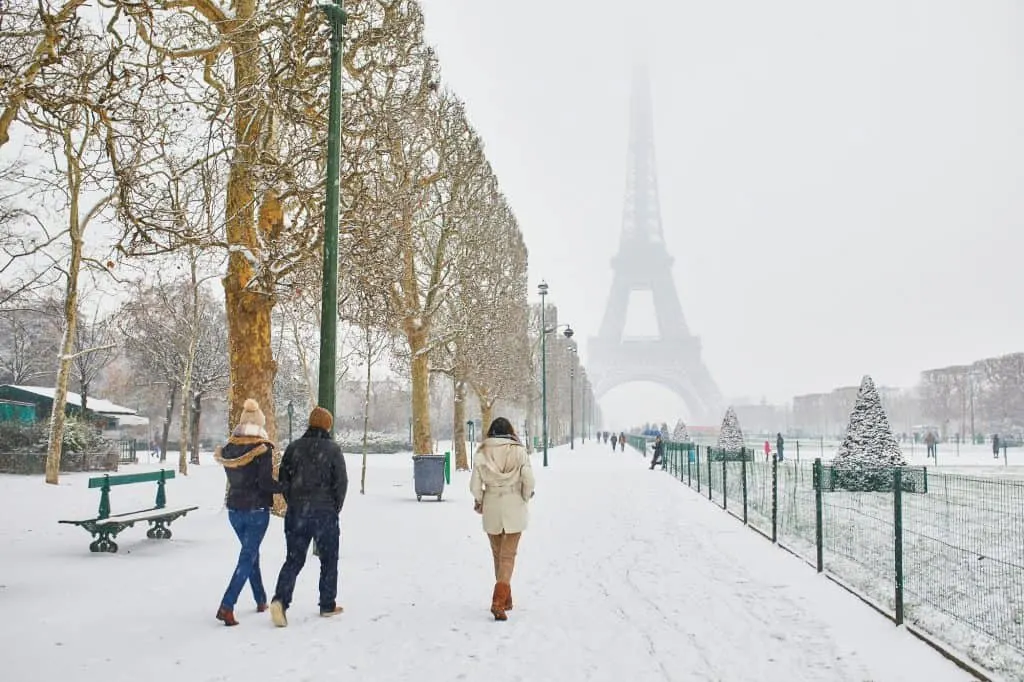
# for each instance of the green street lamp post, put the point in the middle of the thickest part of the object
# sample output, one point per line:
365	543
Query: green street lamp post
542	289
472	441
329	312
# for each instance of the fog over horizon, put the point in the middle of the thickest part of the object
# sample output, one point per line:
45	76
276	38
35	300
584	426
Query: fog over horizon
840	184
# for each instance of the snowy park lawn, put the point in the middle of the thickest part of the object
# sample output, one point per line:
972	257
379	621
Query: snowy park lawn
624	574
963	547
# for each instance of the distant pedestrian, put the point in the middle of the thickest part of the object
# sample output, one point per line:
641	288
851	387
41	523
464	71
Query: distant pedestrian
931	442
995	446
314	481
767	450
779	443
614	441
502	485
622	442
247	459
658	454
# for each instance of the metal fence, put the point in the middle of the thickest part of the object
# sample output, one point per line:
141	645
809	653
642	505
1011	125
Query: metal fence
942	552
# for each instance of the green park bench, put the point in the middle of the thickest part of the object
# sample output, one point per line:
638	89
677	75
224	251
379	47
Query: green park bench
106	527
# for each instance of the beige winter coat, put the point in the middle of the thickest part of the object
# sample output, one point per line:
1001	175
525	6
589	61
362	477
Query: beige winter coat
503	481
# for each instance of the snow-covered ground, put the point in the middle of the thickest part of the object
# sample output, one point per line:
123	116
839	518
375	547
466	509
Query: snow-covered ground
624	574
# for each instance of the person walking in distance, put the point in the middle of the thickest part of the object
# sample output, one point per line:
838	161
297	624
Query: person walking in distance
502	485
779	443
248	461
622	441
659	452
314	481
615	440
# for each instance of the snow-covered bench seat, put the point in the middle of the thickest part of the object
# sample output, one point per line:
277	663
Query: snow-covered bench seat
104	527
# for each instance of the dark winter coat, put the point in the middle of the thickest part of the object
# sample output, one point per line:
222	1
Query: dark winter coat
313	474
659	449
249	464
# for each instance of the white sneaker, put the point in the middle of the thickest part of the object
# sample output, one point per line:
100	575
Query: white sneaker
277	614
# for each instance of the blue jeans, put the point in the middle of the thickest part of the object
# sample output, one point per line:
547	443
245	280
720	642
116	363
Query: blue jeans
250	526
300	527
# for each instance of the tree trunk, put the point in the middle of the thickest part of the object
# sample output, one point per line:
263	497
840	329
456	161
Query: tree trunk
73	172
250	354
366	414
459	427
421	440
84	386
168	415
183	427
486	415
197	410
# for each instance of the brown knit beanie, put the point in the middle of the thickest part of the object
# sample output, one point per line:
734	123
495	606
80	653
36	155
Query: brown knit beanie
320	418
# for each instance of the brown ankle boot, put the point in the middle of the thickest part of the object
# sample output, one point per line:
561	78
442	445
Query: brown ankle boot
508	599
498	600
226	616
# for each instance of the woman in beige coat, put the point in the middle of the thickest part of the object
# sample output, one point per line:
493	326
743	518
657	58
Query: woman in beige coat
502	485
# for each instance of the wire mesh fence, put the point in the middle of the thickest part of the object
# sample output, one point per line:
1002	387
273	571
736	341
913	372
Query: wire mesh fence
944	552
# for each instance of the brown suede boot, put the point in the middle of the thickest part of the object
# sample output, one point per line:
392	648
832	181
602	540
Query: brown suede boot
498	600
508	599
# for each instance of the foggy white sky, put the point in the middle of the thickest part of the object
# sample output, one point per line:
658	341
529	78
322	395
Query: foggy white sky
842	184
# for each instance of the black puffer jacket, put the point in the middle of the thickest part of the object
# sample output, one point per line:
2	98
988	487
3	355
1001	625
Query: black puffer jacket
249	464
313	473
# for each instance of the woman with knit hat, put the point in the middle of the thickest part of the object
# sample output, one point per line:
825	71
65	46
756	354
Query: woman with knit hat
248	461
314	482
502	485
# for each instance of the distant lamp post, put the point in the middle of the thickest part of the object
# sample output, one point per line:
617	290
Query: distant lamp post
542	289
472	440
291	414
572	391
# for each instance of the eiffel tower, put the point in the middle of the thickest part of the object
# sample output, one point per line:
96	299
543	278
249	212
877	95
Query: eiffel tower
672	360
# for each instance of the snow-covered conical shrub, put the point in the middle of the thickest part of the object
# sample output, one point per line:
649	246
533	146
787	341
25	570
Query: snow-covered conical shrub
730	437
680	434
869	446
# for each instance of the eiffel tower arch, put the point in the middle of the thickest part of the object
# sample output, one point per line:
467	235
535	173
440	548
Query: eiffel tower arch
642	263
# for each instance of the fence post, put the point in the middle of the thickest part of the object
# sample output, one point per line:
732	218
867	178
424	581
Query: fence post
775	499
743	474
689	469
819	535
710	487
725	486
697	466
897	500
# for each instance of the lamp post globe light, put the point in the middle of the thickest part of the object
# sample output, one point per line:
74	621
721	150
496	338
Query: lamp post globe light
542	289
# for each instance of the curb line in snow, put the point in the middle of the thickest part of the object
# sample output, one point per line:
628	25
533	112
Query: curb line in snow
947	651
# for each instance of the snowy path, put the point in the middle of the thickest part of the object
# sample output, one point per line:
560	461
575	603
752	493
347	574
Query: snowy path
624	575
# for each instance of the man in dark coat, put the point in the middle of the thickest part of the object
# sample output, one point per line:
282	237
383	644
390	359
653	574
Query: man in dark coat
779	443
314	482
